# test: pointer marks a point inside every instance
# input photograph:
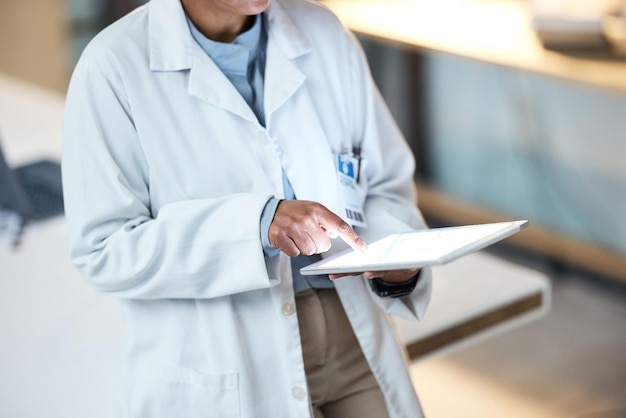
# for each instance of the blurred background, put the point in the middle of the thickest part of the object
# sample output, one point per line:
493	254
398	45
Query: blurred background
514	109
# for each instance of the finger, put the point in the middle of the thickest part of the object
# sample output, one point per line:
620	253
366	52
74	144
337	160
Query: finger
320	239
306	241
394	276
340	275
287	245
338	226
330	234
307	244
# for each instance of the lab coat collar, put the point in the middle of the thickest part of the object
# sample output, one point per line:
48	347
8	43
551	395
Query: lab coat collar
172	48
286	43
285	33
171	44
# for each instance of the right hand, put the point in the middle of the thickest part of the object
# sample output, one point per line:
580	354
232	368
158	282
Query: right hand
304	227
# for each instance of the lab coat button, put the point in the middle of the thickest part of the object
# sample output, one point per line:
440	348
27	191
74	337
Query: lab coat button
298	393
289	307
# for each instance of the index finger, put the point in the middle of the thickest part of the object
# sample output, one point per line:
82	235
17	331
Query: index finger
346	233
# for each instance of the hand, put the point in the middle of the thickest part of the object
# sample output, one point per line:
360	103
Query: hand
391	276
303	227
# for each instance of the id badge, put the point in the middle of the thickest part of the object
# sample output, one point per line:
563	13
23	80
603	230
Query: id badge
347	172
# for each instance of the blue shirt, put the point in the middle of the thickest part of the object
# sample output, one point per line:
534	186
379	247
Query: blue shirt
243	63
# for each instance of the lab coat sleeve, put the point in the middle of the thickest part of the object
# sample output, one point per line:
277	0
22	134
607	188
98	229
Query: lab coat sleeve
200	248
391	203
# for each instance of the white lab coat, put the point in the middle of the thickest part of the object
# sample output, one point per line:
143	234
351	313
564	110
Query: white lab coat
166	171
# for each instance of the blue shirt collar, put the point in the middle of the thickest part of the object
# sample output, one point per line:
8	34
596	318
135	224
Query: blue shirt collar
232	58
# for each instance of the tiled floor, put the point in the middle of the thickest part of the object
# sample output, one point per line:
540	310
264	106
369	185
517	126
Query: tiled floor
572	363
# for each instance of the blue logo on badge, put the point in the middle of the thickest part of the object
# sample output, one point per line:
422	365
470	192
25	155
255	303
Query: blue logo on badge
346	166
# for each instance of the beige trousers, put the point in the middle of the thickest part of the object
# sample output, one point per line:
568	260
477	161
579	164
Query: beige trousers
340	381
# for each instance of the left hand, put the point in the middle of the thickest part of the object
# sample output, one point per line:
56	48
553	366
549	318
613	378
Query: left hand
392	276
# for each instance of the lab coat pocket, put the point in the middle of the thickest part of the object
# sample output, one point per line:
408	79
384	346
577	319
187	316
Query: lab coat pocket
163	391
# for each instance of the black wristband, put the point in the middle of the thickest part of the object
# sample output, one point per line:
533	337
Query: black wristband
394	290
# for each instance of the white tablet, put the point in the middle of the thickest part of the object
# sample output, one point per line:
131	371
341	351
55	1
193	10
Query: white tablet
416	249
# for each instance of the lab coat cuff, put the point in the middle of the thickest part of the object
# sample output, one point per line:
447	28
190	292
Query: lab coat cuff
413	306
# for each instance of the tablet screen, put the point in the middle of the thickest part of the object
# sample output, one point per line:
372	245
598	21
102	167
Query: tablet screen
416	249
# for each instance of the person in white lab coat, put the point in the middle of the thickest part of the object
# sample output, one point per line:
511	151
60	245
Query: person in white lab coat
194	190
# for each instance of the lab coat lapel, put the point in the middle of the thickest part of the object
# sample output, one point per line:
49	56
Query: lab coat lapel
306	154
172	48
209	84
169	37
285	43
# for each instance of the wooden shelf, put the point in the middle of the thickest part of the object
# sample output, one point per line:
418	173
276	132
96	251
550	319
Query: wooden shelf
536	238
